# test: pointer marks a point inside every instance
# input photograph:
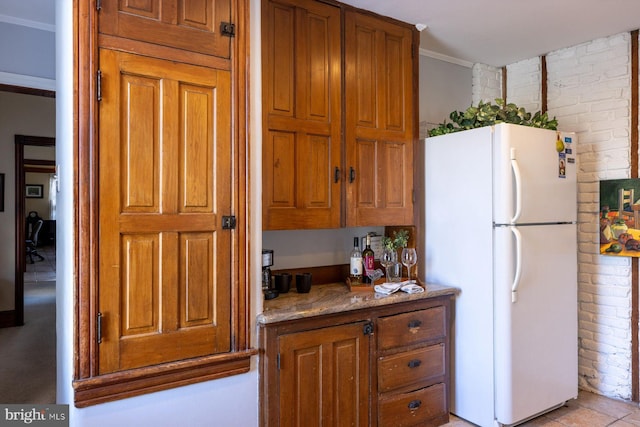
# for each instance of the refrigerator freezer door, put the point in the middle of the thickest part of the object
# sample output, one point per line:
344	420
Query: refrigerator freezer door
536	348
547	178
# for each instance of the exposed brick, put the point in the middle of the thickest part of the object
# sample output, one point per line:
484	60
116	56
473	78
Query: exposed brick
589	93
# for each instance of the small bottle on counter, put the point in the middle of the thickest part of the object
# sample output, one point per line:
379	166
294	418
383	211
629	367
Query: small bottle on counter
367	260
355	263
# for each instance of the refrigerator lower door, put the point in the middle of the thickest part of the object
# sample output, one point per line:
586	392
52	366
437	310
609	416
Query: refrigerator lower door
536	338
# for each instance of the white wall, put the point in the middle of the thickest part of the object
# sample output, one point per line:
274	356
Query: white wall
589	93
19	115
444	87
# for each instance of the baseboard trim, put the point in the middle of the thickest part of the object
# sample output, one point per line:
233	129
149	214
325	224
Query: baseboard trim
8	319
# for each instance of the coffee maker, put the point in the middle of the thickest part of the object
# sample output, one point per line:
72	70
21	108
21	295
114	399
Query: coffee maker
268	289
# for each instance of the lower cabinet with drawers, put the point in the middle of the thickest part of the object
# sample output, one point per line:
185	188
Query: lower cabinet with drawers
381	366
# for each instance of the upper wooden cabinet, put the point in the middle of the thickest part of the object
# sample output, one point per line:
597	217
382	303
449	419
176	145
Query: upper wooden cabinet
379	128
338	117
189	25
301	75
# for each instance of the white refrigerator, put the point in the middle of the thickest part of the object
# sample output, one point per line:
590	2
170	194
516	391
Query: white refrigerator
500	224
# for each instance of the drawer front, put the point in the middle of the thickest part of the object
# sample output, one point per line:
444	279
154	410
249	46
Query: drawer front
410	367
415	408
411	328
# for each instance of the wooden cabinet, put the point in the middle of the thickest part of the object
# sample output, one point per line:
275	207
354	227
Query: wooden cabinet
163	282
323	168
164	189
301	75
323	376
380	120
384	366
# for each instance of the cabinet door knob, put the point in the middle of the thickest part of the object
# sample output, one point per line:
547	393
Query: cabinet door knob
336	174
414	363
352	174
414	404
414	324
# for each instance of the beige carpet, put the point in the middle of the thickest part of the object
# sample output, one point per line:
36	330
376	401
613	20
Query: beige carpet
28	353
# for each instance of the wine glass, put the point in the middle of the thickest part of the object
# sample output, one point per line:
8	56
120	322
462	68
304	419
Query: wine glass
388	258
409	259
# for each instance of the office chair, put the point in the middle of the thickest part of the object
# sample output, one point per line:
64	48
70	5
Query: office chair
32	242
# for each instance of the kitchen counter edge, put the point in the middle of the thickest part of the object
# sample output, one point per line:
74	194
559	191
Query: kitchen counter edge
337	298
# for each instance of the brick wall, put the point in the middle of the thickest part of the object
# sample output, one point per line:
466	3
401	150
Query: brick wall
486	83
589	93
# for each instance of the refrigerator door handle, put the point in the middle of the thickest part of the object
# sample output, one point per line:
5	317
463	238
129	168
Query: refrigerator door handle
516	175
516	278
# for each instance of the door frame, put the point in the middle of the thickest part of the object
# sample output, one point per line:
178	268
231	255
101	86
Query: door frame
20	142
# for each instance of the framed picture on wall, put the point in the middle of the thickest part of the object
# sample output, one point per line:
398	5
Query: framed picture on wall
33	191
620	217
1	192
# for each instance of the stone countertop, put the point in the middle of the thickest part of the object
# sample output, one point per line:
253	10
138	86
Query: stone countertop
337	298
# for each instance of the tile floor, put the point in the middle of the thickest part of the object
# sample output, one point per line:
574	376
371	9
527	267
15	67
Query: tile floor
588	410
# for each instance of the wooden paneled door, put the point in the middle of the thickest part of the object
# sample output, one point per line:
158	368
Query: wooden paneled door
301	80
165	178
379	128
187	25
324	377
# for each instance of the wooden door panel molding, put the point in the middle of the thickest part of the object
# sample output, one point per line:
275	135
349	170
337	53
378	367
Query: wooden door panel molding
192	25
140	285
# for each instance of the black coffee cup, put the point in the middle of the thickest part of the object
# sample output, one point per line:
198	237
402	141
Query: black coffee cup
283	282
303	282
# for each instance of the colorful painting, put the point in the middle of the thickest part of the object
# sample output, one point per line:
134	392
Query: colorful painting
620	217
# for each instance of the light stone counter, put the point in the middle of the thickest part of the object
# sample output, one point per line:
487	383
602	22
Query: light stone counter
337	298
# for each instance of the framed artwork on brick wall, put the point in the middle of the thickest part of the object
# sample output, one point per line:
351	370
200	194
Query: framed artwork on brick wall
620	217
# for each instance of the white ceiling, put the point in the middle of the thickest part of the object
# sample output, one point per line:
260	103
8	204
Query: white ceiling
501	32
493	32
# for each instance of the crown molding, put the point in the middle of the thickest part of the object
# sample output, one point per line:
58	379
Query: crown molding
27	23
27	81
446	58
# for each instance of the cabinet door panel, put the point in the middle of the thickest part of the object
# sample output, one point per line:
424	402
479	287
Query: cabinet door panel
301	115
165	181
379	116
192	25
324	377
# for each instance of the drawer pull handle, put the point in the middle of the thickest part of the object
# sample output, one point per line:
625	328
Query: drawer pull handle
414	363
415	324
414	404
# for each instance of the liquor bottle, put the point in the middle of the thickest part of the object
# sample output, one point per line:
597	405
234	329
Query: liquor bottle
367	260
355	264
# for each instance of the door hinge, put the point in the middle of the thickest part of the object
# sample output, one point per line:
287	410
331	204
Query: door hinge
367	329
99	86
99	328
278	361
227	29
98	4
228	222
